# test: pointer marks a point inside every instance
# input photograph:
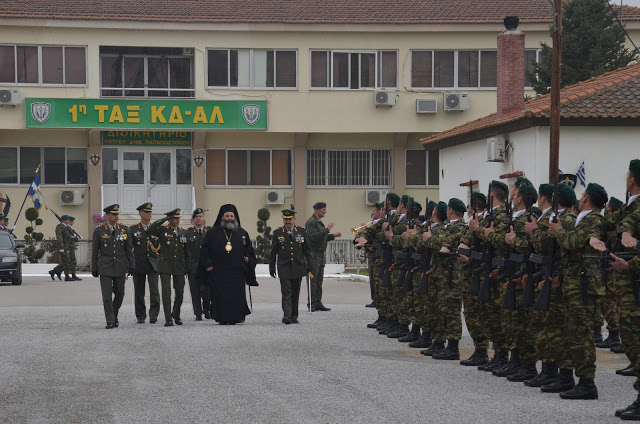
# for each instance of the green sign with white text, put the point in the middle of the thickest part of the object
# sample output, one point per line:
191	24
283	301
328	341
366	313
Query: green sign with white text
178	115
146	138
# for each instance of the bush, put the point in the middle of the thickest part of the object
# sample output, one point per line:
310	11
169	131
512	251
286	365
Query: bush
33	251
263	248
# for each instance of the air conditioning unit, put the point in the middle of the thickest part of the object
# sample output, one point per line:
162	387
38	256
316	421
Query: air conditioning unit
496	149
275	197
426	106
457	101
384	98
10	96
71	197
375	196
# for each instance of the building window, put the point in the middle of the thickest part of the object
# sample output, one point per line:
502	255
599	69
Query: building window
354	69
459	69
250	68
58	165
245	168
146	72
43	65
422	167
349	168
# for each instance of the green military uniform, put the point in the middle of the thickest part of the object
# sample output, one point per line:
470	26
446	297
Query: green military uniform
111	258
200	293
175	260
398	303
63	236
318	236
369	233
73	246
145	250
291	251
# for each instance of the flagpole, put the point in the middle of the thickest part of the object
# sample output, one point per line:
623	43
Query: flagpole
25	197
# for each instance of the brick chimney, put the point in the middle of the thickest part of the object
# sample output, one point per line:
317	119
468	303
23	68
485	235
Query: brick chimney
510	74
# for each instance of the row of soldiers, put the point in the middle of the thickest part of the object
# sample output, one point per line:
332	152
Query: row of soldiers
531	280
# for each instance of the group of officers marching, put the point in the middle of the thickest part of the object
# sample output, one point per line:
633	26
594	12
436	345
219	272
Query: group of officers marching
532	281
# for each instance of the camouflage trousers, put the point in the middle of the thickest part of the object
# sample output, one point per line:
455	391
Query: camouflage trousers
608	310
491	313
420	302
629	322
435	321
64	265
578	327
550	343
384	295
450	302
408	313
402	302
473	314
516	327
374	281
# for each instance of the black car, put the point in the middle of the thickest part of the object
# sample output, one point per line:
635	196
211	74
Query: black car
10	259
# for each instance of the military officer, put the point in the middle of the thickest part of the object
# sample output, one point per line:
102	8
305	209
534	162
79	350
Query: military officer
291	250
112	258
73	241
63	236
319	235
200	297
146	249
175	260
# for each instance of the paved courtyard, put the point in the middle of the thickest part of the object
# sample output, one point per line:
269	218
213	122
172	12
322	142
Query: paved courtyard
59	365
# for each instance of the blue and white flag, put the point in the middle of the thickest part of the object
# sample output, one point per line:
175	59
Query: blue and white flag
35	193
582	176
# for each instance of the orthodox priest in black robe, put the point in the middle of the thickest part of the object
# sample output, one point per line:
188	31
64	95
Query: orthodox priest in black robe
228	258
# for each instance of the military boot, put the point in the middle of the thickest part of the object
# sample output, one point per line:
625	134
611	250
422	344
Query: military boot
424	341
612	340
634	410
451	352
562	383
401	331
628	372
479	357
617	349
436	347
52	273
411	336
67	278
375	323
526	372
390	324
75	277
585	389
499	360
547	375
513	366
597	335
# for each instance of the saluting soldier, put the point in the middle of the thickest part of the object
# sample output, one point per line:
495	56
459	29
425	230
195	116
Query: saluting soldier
200	297
174	262
291	250
146	249
111	259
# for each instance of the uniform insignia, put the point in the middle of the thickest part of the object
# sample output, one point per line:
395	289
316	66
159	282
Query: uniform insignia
281	238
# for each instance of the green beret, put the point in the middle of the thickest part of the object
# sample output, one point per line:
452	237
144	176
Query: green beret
546	190
196	211
634	166
416	206
431	206
480	196
173	214
405	199
1	217
72	218
597	193
500	185
519	181
114	209
525	188
615	203
379	205
457	205
393	198
441	210
64	217
566	194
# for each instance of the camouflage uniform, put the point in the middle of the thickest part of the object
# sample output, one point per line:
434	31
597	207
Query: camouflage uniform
608	305
63	236
581	287
437	282
371	233
398	298
426	305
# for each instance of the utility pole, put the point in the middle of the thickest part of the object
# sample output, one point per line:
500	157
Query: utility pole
554	127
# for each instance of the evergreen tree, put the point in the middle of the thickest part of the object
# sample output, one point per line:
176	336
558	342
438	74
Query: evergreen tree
593	42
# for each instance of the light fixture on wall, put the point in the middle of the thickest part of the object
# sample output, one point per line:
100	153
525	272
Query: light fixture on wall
198	160
95	159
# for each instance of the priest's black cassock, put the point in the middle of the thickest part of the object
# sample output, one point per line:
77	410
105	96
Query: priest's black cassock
230	271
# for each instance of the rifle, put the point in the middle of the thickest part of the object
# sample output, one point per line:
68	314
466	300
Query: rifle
544	298
425	258
484	293
528	294
387	253
71	230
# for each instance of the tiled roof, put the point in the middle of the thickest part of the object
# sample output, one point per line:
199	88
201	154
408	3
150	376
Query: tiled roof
288	11
612	96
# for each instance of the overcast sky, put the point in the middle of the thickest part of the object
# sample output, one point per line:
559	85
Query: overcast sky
627	2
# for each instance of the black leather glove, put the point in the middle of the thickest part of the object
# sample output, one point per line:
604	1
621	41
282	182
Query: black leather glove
94	273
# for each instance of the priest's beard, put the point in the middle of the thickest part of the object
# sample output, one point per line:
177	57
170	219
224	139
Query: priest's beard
230	225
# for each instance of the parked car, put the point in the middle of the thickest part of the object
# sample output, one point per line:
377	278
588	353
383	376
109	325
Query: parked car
10	259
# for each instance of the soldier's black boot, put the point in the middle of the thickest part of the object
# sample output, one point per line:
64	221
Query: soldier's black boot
451	353
547	375
617	349
585	389
612	340
67	278
627	372
436	347
401	331
52	273
412	335
597	335
499	360
526	372
423	342
513	366
75	277
633	409
386	326
375	323
562	383
479	357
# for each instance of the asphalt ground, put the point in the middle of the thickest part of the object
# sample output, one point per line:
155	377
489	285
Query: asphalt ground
59	365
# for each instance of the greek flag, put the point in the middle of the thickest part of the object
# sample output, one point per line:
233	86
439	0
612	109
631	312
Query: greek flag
35	193
582	175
